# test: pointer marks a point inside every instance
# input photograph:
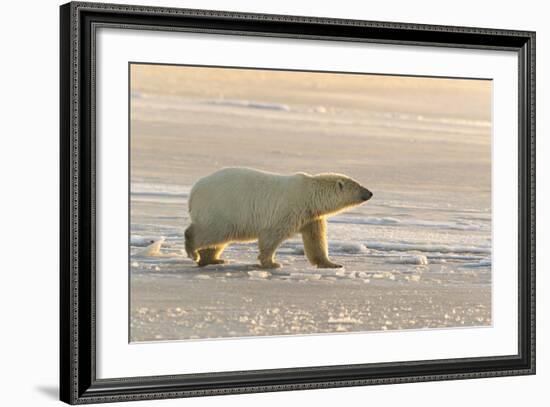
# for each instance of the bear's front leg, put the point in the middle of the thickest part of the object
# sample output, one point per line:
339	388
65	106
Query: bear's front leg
314	236
268	243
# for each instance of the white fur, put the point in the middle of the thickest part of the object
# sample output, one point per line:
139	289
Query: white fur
242	204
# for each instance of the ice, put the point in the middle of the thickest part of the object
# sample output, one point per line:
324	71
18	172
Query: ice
252	104
335	246
418	259
390	221
138	189
343	320
259	274
427	247
337	272
142	241
153	249
305	276
347	247
480	263
384	275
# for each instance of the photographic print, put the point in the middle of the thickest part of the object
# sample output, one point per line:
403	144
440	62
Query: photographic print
356	196
278	202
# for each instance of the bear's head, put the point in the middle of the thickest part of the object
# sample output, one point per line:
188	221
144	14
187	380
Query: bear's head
333	193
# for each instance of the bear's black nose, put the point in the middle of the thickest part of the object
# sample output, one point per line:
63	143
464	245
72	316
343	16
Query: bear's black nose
366	194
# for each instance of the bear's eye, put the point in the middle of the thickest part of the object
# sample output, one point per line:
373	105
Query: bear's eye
341	185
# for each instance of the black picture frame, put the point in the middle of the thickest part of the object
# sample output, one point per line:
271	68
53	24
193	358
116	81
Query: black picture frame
78	382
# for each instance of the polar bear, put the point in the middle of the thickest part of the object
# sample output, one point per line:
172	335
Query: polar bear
244	204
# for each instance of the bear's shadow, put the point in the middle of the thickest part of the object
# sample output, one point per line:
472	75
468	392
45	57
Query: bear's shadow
231	267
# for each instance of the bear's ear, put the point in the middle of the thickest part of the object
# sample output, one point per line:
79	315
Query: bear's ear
340	184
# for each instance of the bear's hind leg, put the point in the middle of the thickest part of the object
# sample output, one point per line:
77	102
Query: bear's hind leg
314	236
190	243
211	256
268	243
203	248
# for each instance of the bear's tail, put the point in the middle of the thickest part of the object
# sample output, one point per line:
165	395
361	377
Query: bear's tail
189	244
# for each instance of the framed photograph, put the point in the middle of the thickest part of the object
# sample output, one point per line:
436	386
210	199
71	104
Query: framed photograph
255	203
